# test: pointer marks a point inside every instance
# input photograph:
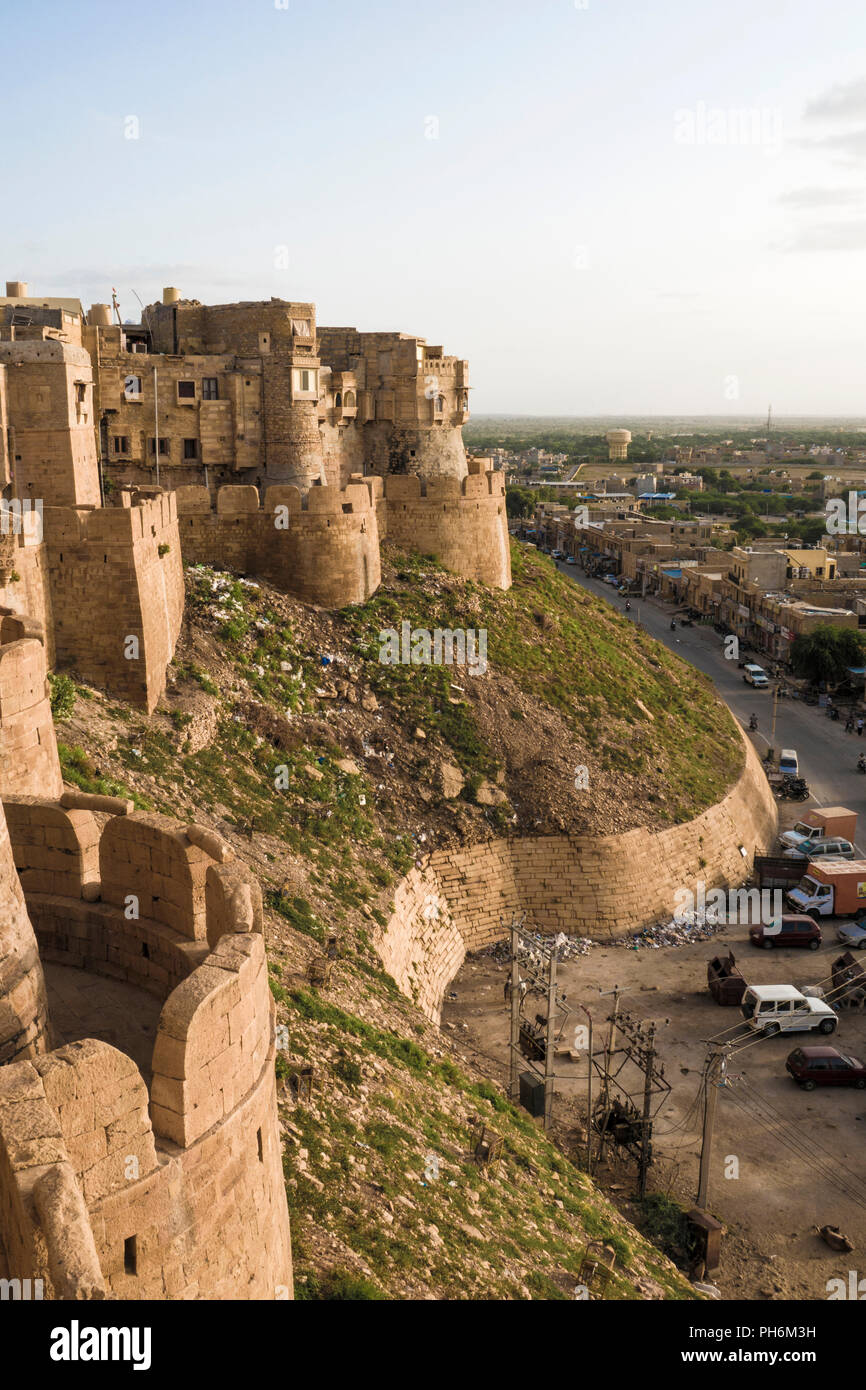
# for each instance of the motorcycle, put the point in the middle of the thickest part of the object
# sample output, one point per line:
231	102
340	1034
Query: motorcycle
861	764
832	712
753	722
793	789
673	626
627	606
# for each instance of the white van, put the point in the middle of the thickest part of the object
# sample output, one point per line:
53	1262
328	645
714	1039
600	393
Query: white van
788	765
784	1009
756	676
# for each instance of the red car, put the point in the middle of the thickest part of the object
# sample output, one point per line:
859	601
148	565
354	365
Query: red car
797	929
825	1066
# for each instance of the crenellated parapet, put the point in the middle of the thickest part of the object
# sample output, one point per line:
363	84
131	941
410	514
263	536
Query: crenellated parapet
119	1179
462	522
321	546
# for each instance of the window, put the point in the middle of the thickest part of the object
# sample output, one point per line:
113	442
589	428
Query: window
349	400
301	328
190	448
338	400
121	443
305	379
80	392
164	448
440	405
130	1255
210	388
186	390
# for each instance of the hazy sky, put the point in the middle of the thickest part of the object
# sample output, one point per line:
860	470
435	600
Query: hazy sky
624	207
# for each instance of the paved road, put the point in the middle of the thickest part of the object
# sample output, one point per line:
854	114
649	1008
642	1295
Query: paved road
827	755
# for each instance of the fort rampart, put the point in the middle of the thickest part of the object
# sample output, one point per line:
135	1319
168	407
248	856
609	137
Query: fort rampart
601	888
142	1182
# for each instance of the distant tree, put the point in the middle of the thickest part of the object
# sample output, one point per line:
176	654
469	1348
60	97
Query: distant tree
519	501
826	653
817	474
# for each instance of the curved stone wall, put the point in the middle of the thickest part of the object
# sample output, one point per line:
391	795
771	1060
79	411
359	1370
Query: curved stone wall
601	888
462	523
172	1189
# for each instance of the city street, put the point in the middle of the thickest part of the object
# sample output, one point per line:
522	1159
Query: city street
827	755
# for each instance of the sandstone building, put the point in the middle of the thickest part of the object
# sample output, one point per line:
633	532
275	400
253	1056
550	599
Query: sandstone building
242	435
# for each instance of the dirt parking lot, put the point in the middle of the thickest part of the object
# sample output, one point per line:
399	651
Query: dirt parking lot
771	1208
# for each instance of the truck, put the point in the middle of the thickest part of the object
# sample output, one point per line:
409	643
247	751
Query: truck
784	1009
821	823
830	888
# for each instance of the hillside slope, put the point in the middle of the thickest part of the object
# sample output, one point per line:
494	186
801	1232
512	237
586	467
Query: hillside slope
330	772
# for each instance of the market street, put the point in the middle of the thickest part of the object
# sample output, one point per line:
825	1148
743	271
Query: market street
827	755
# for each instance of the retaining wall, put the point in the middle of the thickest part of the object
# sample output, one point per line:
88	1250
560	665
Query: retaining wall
601	888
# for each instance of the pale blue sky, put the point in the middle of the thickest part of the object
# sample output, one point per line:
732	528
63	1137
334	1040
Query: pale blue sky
594	227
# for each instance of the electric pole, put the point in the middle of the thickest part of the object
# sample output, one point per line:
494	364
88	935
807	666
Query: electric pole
713	1077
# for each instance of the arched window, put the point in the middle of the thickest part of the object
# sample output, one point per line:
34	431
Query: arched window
349	400
440	405
338	400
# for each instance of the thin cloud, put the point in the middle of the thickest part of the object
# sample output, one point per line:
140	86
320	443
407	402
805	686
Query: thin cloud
845	101
806	198
828	236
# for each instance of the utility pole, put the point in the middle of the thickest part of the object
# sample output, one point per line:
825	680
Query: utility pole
548	1051
514	1079
715	1069
605	1090
646	1131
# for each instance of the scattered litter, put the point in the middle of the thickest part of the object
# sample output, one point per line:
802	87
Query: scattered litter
679	930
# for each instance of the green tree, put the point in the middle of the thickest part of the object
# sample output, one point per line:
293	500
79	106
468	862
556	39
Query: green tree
519	501
826	653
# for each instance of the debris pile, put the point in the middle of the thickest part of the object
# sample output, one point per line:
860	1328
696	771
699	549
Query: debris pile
680	930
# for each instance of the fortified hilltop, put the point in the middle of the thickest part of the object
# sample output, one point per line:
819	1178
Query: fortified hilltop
239	434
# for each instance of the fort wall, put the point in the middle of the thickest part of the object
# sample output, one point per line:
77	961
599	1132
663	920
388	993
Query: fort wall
322	548
113	1184
116	574
601	888
28	748
464	524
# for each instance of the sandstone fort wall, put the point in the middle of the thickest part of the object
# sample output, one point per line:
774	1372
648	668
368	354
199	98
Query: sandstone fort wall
109	1186
600	888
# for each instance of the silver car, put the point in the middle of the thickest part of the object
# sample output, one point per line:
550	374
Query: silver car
853	935
831	847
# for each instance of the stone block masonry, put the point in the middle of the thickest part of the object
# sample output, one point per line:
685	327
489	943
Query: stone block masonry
111	1186
322	548
116	581
463	524
601	888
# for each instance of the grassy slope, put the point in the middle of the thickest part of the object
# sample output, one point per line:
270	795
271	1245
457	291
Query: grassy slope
394	1098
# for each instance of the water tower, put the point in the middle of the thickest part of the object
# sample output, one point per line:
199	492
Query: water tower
618	442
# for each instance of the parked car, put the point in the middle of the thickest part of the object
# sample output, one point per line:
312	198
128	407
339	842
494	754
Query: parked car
795	929
556	554
784	1009
570	560
755	676
825	1066
788	764
853	934
831	848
